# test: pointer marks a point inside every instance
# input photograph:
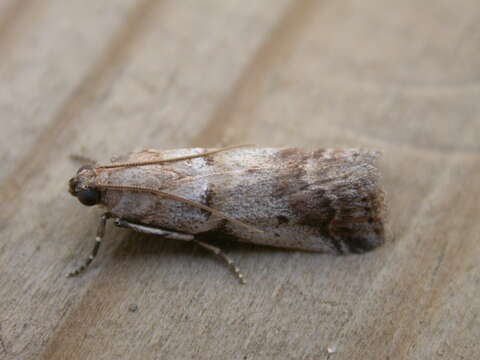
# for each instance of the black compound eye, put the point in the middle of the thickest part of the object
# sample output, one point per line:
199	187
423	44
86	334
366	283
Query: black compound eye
88	196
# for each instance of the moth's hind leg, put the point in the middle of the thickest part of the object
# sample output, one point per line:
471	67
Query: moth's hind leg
169	234
217	251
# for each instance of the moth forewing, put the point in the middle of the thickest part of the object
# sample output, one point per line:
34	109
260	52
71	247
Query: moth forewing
323	200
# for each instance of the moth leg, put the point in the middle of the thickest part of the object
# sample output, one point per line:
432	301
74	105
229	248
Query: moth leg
168	234
98	241
225	257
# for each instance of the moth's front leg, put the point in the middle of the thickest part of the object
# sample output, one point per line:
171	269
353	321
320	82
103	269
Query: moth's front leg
169	234
98	242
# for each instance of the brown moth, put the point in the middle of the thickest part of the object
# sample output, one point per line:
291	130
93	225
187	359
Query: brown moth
325	200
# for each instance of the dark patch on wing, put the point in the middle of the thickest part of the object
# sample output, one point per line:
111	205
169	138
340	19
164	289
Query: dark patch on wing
208	196
359	221
314	208
282	219
220	233
209	160
288	188
343	208
209	193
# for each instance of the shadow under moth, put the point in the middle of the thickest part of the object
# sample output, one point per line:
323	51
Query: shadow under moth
324	200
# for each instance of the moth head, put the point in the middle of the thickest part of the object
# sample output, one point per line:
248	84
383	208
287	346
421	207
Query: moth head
81	186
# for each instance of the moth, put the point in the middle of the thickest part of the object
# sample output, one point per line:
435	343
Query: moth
324	200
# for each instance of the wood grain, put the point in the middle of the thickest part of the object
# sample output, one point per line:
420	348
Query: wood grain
105	78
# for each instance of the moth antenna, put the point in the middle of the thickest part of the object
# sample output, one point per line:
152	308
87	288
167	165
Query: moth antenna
83	160
180	199
164	161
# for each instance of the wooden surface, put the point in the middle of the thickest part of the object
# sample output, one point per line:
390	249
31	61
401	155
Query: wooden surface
105	78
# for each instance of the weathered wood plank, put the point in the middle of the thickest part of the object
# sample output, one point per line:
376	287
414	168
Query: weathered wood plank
401	77
178	61
50	56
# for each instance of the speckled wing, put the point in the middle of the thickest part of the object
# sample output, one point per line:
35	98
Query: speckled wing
324	200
